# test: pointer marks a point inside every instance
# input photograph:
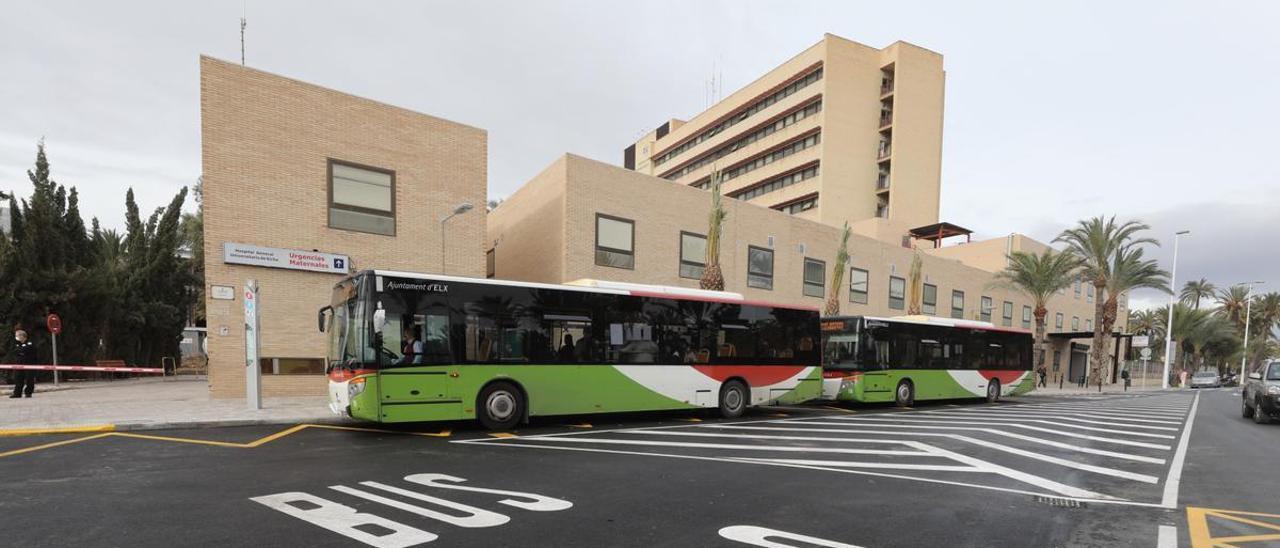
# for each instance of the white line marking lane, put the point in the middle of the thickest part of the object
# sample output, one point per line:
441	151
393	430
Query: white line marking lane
981	443
1048	415
1051	412
1018	424
1171	483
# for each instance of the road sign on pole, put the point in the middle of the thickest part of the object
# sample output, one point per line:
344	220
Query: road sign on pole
253	367
54	323
1140	341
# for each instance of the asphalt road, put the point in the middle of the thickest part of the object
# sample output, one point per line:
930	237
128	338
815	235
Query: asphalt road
1084	471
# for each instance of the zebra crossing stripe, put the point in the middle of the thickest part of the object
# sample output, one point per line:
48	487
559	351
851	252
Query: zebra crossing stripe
921	422
1055	417
1039	421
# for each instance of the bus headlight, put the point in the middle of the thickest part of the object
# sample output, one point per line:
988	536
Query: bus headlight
355	387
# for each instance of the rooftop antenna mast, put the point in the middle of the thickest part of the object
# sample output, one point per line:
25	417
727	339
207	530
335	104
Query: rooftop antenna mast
243	23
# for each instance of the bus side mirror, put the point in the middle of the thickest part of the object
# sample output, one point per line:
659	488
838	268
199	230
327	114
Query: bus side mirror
320	317
379	320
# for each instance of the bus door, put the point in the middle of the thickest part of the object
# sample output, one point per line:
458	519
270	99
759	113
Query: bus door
876	337
418	367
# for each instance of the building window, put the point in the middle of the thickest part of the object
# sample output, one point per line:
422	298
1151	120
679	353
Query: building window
897	292
490	264
615	242
292	366
1026	317
1075	323
693	255
762	104
984	311
858	279
1057	321
1088	325
1077	288
957	304
1090	294
814	278
1006	318
782	122
759	267
799	205
1057	359
930	300
362	198
776	183
769	157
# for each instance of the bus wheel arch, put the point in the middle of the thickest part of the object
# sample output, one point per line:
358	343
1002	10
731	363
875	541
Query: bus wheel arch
735	397
905	393
501	404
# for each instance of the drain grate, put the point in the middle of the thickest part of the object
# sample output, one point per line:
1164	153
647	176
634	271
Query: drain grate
1059	502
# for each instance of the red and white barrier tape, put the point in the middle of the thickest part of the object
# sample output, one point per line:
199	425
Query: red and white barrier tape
153	370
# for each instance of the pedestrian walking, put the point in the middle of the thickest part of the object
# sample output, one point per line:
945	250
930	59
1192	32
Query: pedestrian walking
1124	374
1043	376
24	353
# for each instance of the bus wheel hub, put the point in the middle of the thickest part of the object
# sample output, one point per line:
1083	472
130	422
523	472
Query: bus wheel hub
500	405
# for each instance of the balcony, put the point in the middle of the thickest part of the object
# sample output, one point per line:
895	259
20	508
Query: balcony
886	150
886	86
882	183
886	119
882	211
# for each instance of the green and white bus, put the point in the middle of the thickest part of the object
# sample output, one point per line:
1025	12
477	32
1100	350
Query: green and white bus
909	358
407	347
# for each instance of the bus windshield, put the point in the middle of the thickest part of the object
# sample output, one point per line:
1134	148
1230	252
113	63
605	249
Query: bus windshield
345	329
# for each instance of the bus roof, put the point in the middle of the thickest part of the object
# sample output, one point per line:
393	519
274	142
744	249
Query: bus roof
946	322
601	286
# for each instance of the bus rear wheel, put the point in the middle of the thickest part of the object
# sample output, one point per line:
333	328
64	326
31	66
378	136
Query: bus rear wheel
993	391
500	406
733	399
905	395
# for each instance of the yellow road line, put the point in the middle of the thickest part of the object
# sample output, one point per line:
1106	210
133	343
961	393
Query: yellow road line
249	445
840	409
1198	526
52	445
580	425
92	428
502	435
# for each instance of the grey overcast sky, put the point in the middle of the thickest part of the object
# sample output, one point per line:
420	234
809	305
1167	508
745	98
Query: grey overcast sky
1162	111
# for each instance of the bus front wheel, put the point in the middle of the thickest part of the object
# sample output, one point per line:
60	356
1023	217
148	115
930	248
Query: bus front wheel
733	399
905	395
993	391
500	406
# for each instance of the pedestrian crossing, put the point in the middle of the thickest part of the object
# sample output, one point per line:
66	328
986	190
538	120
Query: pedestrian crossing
1116	450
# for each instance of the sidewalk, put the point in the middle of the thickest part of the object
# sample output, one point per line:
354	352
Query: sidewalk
1107	388
147	404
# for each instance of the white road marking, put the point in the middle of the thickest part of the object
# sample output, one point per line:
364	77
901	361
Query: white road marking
1011	424
1099	498
759	536
1049	415
982	443
855	464
1167	537
471	517
651	443
1033	439
1174	480
345	520
1051	412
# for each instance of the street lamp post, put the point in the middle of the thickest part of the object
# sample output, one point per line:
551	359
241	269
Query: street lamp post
1248	310
1168	332
462	208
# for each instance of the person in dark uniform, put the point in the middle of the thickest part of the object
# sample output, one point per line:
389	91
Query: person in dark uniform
24	380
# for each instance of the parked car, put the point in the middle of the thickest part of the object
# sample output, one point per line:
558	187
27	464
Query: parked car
1261	393
1205	379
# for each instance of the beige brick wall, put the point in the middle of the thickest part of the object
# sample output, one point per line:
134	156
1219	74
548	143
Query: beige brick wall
265	144
527	230
662	209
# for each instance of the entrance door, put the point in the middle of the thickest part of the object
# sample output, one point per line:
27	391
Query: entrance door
1079	362
423	374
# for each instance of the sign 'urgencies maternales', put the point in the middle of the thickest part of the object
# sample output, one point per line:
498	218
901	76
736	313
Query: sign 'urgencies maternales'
293	259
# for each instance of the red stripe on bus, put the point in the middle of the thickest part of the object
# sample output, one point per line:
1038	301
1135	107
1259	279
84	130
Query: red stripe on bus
1005	377
344	375
755	375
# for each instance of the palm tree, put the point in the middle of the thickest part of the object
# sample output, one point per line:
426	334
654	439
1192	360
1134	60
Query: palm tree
1039	277
1208	331
1097	242
1129	271
1146	322
1232	302
837	276
712	277
1195	291
915	278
